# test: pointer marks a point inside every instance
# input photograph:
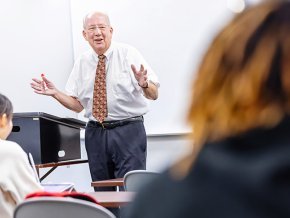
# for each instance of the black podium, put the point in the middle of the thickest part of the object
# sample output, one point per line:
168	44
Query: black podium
48	138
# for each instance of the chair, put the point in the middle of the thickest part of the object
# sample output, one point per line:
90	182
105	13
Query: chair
58	207
135	179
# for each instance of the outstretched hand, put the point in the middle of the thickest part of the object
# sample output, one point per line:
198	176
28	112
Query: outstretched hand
43	87
141	75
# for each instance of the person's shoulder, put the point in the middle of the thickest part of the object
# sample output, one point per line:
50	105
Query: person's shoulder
85	56
11	148
9	144
125	50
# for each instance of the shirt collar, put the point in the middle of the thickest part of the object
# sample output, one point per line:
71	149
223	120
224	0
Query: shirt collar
108	53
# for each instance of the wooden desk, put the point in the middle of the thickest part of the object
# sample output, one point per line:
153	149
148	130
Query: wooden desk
55	165
112	199
108	183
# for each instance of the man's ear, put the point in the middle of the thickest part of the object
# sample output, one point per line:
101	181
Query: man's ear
3	120
85	35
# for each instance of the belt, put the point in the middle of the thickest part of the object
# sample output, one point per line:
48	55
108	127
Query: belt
113	124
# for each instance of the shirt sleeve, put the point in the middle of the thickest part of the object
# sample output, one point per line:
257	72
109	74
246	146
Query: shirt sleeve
71	87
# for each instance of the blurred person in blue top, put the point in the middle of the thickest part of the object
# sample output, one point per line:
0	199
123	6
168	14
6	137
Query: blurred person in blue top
239	112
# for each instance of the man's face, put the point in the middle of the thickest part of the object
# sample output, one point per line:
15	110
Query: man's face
98	33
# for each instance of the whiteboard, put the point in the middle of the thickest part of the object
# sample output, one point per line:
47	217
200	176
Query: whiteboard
35	38
171	35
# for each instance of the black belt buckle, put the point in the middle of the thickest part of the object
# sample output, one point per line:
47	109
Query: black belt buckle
109	125
113	124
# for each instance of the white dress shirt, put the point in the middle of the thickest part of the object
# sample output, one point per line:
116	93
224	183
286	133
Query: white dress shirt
125	97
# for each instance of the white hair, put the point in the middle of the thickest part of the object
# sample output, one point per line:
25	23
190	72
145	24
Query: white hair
93	13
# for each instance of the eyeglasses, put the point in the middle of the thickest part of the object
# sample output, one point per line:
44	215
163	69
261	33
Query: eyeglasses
92	29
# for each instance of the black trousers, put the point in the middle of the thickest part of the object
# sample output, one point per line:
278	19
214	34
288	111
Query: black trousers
114	151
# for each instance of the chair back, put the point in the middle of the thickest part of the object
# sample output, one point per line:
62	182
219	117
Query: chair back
58	207
135	179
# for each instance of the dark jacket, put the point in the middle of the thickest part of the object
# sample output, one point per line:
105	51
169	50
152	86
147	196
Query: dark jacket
240	177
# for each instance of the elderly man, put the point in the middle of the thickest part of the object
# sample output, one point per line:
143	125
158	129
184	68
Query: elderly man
113	83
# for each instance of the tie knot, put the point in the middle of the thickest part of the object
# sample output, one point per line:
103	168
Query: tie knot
102	57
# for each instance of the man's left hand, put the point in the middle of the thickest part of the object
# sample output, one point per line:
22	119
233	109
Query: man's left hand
141	76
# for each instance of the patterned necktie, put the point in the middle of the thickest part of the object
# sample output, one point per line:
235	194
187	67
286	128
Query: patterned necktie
100	110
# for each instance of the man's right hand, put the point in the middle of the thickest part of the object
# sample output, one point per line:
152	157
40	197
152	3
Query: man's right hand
43	87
